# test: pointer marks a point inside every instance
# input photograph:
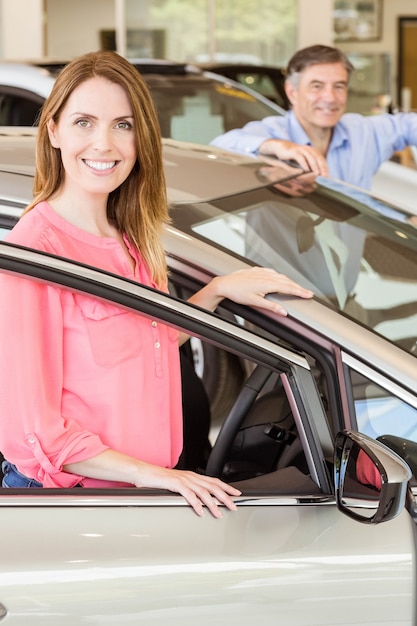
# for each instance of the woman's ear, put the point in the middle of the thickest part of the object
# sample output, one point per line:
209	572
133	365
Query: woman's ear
52	133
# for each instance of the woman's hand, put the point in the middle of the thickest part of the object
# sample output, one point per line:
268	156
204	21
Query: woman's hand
197	489
250	287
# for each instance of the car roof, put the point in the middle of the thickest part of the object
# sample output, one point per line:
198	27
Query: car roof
143	64
215	171
266	80
26	77
273	70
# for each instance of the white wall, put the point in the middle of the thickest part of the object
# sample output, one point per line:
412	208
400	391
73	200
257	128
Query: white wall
314	22
74	26
21	24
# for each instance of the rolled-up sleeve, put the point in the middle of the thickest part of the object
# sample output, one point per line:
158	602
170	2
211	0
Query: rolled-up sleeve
393	132
34	433
248	139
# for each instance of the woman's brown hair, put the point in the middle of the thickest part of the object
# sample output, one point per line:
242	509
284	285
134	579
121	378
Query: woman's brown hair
139	205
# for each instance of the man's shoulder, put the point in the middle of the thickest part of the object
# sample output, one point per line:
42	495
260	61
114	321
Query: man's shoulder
279	120
354	119
358	120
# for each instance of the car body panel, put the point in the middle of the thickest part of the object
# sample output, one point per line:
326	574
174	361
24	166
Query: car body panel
396	183
158	564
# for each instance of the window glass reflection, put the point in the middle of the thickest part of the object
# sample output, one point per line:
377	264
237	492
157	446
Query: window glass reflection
361	262
378	412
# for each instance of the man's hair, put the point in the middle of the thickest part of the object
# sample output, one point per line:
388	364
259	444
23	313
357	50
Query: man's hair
315	55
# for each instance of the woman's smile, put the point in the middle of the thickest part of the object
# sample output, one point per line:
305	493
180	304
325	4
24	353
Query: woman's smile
100	166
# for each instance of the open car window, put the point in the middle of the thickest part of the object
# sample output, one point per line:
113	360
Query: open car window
252	411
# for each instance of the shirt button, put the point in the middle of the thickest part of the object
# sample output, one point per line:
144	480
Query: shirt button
157	344
154	324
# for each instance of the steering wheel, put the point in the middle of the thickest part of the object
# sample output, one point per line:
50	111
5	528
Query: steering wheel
234	420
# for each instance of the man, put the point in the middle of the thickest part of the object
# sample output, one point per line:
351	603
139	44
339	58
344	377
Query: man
316	132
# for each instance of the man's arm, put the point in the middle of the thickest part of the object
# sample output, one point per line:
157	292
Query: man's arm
270	137
306	156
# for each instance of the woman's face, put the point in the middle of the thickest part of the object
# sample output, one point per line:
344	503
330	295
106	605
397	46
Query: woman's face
96	138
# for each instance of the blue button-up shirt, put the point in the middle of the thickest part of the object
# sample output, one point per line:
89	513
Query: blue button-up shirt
359	144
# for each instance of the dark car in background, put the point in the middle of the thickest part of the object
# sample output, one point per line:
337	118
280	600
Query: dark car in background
267	80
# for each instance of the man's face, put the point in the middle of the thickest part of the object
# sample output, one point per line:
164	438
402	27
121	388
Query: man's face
320	98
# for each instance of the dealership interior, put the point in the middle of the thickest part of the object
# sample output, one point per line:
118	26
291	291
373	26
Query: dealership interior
208	318
378	35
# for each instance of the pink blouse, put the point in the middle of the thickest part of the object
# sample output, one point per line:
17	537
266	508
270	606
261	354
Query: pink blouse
79	375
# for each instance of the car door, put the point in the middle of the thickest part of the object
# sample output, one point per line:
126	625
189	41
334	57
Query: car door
287	555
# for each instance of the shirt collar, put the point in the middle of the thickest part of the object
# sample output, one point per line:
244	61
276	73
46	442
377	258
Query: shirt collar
298	135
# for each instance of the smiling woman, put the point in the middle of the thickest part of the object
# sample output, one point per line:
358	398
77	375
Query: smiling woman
98	152
100	199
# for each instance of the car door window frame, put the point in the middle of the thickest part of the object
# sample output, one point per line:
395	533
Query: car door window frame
193	319
392	389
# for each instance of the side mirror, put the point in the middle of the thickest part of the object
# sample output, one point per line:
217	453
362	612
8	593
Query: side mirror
371	480
405	448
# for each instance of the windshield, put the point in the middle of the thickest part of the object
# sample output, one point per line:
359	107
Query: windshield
198	109
353	251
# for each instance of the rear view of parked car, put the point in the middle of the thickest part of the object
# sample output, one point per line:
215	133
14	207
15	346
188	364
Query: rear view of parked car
268	80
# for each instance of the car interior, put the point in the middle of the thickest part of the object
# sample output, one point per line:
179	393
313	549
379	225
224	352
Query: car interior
18	108
259	449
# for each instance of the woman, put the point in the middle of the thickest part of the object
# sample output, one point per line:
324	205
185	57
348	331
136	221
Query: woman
101	404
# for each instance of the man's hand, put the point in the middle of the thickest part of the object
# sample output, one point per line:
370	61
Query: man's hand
306	156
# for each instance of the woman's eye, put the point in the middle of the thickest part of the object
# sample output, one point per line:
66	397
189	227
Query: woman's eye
124	125
83	123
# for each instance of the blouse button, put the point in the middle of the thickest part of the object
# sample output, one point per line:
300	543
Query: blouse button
157	344
154	324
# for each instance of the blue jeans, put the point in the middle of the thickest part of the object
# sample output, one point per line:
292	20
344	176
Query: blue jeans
13	478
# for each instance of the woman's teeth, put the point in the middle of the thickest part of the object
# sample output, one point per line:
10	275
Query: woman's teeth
100	165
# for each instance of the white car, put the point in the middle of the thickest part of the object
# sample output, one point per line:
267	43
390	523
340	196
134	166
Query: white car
23	90
324	534
398	184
